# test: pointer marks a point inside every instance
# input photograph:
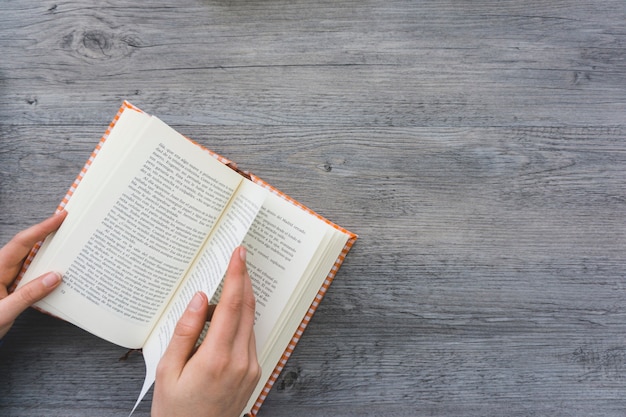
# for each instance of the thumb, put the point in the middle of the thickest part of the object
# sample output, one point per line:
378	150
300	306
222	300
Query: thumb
12	305
185	336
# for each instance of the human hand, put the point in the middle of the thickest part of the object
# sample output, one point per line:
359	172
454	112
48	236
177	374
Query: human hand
218	378
12	257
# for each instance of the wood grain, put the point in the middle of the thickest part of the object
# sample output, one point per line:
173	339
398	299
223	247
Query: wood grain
477	148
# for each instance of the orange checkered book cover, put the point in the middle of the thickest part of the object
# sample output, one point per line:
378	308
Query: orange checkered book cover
126	106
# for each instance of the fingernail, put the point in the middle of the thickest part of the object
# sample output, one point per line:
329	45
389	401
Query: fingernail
51	279
196	302
242	253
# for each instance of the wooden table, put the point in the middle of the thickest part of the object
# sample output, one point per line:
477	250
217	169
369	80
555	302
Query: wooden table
478	149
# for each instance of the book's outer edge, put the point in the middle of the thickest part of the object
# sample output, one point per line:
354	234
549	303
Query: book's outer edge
320	294
316	301
303	324
125	106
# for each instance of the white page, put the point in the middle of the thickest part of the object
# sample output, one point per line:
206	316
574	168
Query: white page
281	227
100	303
207	272
281	244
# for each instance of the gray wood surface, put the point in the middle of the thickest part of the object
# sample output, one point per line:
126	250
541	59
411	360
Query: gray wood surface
478	149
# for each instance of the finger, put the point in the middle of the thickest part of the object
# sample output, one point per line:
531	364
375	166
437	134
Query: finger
22	242
185	336
227	316
245	345
14	252
21	299
246	327
254	361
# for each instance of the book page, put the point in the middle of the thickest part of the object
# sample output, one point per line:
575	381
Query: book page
281	244
284	244
207	272
129	126
284	250
288	256
125	252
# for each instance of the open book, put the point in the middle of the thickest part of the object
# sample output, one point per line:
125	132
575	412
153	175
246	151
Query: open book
154	217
